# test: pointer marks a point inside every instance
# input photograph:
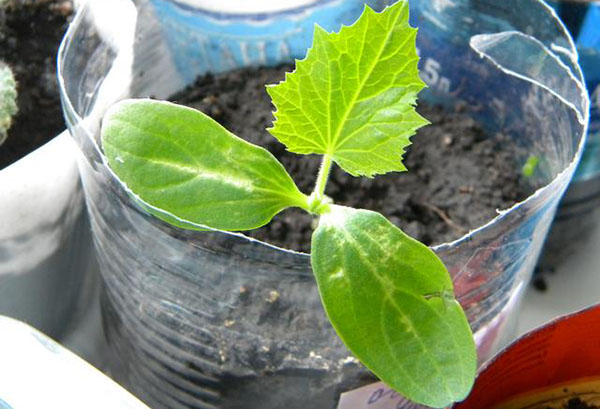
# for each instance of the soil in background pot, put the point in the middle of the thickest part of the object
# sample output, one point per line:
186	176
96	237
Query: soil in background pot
30	34
458	175
575	403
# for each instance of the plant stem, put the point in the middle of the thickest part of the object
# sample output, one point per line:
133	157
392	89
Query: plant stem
317	202
323	177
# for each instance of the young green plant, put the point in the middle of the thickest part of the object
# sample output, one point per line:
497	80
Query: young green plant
351	100
8	99
530	166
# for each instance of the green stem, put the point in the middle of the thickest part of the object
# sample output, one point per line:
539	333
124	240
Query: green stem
317	203
323	177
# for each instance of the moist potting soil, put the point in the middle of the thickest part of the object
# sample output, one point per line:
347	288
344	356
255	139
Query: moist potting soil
30	34
458	176
575	403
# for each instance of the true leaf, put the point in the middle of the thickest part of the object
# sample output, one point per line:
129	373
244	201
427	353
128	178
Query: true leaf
390	299
190	168
353	96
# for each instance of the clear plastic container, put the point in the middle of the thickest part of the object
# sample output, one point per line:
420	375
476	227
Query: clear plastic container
217	320
579	211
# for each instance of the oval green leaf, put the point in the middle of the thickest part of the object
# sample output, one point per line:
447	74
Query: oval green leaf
188	168
390	299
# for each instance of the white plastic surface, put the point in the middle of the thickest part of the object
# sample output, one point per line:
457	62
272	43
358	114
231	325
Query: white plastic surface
28	204
45	242
37	373
575	285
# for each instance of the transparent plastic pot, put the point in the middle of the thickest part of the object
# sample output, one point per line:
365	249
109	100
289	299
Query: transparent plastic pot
217	320
578	213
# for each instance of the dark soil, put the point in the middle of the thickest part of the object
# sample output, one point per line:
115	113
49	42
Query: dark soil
30	34
539	283
458	175
576	403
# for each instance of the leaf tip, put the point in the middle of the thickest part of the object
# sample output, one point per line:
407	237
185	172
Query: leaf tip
317	29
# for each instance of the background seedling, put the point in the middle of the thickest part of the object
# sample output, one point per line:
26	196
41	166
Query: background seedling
530	166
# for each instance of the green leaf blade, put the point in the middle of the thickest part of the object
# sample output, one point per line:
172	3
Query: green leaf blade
390	299
188	168
354	95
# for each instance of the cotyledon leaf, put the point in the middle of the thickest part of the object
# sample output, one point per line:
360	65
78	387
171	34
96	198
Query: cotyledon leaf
353	96
391	301
187	167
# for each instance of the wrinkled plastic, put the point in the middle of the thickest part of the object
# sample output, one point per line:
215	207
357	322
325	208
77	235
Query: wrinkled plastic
175	304
583	21
579	211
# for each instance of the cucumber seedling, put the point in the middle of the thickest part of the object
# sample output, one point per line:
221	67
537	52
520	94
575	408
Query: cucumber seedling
351	100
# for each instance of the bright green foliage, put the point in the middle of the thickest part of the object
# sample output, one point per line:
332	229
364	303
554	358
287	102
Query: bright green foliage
179	160
8	100
388	296
353	96
530	166
390	299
